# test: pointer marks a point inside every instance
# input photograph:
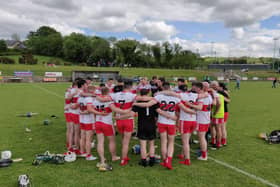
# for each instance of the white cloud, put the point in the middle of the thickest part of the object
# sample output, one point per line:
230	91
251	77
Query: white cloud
149	18
66	29
155	30
238	33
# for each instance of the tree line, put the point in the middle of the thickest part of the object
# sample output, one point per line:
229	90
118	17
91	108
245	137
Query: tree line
98	51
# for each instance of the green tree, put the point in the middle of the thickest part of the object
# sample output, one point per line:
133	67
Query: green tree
45	41
3	46
168	54
100	50
127	49
156	52
77	47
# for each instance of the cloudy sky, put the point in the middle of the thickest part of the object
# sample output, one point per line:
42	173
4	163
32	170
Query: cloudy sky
233	28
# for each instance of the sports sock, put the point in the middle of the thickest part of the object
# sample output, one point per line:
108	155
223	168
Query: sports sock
213	140
224	141
218	144
204	154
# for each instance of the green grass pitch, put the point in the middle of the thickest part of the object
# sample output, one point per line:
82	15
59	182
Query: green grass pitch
254	109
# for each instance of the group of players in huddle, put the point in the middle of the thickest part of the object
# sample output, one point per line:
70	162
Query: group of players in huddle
157	107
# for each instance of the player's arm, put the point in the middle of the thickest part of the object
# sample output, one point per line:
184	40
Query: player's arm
186	109
169	93
71	95
125	116
146	104
104	99
165	114
118	110
74	106
87	94
91	109
218	105
227	99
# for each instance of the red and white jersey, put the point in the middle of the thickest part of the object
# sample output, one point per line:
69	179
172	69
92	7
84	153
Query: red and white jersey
67	102
103	107
75	99
168	104
203	116
146	86
191	98
83	102
111	87
123	100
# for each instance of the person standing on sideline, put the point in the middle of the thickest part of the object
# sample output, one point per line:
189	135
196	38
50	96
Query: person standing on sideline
237	86
274	83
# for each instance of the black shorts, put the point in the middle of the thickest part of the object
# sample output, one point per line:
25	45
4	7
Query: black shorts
146	131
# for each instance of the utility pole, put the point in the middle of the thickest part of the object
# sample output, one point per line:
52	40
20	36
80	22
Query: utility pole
274	52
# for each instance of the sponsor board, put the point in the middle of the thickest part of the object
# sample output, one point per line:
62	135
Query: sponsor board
23	73
53	74
49	79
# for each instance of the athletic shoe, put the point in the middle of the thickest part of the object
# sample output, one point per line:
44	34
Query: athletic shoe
143	162
168	163
152	161
105	167
124	161
186	162
90	158
201	158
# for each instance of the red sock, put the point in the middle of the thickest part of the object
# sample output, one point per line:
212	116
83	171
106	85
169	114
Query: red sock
224	141
213	140
163	163
218	144
169	163
88	155
204	154
188	162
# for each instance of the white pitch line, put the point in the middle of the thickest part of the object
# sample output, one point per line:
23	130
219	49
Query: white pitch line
48	91
252	176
